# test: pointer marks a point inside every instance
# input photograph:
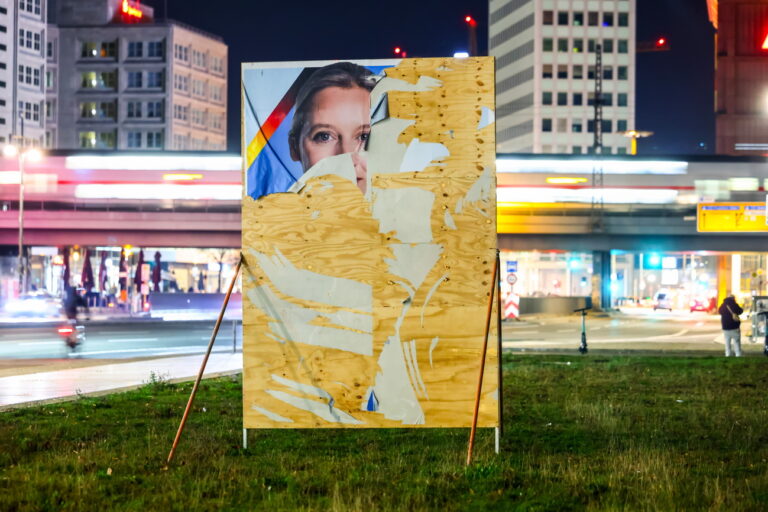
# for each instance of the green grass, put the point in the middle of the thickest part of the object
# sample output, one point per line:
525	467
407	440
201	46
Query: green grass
599	433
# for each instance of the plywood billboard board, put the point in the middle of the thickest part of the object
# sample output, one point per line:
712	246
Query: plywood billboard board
369	238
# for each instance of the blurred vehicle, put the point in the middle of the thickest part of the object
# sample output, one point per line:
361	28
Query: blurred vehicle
34	304
703	304
662	301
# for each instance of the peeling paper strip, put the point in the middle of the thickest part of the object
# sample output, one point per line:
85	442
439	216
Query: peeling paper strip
479	191
432	346
321	410
380	110
413	262
420	155
271	415
429	295
338	165
406	211
487	118
292	323
308	285
449	220
415	363
409	364
306	389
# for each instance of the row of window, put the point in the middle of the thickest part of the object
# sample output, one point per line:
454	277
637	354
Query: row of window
30	6
577	125
182	142
30	76
108	139
200	88
577	99
577	72
30	40
198	117
593	18
577	45
199	58
108	49
107	80
30	111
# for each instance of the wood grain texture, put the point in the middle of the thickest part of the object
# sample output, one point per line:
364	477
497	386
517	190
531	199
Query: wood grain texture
328	228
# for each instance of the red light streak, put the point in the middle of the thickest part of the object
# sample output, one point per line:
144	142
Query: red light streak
765	43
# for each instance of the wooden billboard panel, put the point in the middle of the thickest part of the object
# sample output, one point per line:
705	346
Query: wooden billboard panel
367	309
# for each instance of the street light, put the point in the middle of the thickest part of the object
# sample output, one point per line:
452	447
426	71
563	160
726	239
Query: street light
634	135
23	155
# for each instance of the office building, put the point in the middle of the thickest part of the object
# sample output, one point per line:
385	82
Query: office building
546	57
741	67
119	79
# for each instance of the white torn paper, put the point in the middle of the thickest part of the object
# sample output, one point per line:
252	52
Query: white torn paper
406	211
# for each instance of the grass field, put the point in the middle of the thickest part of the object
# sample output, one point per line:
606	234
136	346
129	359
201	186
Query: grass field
581	433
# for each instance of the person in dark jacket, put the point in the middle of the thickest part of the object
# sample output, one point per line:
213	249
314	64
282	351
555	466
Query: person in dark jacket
729	319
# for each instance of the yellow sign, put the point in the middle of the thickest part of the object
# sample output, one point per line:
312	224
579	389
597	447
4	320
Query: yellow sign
731	218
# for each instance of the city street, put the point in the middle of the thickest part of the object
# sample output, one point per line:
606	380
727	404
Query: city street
646	330
107	340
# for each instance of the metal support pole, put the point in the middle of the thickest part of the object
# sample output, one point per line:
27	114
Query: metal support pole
500	428
494	285
245	439
205	361
234	336
22	263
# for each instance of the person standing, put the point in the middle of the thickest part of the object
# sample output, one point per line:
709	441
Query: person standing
731	323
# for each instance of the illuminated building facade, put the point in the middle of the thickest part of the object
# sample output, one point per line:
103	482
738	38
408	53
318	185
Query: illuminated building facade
119	79
741	93
22	66
545	74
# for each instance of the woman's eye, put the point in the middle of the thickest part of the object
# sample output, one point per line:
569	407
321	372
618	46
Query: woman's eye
322	137
365	136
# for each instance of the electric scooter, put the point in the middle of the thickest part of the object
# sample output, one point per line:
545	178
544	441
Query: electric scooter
583	345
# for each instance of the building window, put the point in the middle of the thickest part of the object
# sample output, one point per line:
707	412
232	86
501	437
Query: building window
134	79
562	18
590	99
155	49
621	151
546	125
562	126
623	46
607	100
181	83
578	19
590	72
155	140
592	17
576	126
134	140
98	79
562	99
578	71
133	110
562	45
546	71
548	17
607	125
29	40
104	110
50	80
621	125
623	19
578	45
621	99
576	150
546	98
217	65
30	6
49	49
546	44
3	29
95	50
155	79
607	19
608	72
607	45
591	44
622	74
562	71
37	45
578	99
181	52
135	49
155	109
50	110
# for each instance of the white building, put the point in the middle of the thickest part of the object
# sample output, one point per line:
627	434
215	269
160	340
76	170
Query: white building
545	73
22	67
118	79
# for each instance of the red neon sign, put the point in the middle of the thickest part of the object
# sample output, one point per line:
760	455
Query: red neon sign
765	43
131	11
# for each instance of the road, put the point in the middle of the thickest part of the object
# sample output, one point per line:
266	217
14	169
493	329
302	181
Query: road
636	330
118	340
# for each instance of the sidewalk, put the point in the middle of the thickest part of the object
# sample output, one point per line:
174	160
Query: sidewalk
87	378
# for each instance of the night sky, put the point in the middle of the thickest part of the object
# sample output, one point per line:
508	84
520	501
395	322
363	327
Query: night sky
674	89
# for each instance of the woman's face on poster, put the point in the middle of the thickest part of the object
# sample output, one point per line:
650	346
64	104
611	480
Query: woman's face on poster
338	122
